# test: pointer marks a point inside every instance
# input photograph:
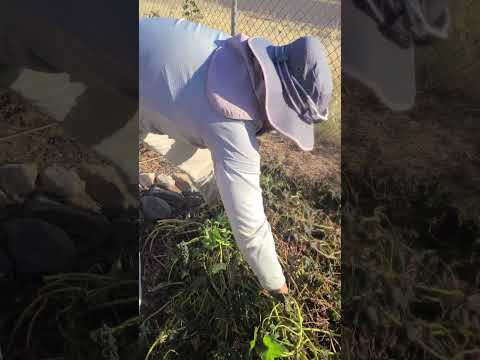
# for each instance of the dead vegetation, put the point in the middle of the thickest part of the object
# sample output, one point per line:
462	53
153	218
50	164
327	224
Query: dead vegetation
411	229
201	298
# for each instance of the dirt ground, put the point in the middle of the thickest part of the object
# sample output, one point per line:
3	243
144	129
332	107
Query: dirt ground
322	165
412	143
315	167
150	161
437	140
20	142
49	145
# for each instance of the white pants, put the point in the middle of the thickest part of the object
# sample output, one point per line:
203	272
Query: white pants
195	162
100	118
59	97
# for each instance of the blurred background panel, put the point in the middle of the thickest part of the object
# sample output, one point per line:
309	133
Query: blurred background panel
454	64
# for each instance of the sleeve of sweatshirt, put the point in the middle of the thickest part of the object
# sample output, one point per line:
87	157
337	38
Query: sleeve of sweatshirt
237	172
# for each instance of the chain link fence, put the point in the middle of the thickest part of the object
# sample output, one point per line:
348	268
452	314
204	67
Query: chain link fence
280	21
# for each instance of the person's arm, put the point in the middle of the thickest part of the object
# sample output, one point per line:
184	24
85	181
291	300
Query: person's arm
237	173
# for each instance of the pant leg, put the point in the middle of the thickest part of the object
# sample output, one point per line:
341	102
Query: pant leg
98	117
195	162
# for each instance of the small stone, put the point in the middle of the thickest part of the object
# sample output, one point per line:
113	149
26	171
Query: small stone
18	180
62	182
87	228
83	201
166	182
155	208
172	198
182	181
38	247
146	180
104	185
193	200
209	192
4	200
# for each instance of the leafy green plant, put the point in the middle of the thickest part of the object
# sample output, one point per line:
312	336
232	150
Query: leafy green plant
274	349
216	233
210	304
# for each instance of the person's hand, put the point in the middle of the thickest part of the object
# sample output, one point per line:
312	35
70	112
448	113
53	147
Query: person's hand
282	291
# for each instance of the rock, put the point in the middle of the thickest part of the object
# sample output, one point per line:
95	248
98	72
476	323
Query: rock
167	182
105	186
172	198
38	247
209	192
86	228
193	200
182	181
146	180
83	201
18	180
155	208
67	184
4	200
122	239
6	266
62	182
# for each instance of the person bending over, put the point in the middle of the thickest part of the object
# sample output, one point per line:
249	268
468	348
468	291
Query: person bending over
205	97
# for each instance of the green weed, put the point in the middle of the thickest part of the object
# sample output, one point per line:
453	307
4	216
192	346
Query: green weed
216	233
203	300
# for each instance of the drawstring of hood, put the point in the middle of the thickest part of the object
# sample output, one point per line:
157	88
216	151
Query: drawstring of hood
307	110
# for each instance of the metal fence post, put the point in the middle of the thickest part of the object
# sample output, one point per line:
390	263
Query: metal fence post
234	17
